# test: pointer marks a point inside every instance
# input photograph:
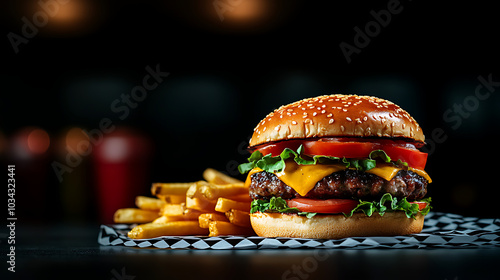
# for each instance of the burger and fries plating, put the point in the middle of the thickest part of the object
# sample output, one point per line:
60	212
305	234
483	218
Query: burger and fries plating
332	166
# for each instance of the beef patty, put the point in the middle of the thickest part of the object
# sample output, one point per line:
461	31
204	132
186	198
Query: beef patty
349	183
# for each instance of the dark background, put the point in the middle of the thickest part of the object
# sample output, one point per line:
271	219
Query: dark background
225	76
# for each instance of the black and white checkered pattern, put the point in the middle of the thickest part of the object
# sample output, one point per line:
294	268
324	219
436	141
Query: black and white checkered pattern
441	230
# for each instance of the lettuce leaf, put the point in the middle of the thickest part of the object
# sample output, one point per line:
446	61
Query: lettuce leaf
276	205
275	164
387	203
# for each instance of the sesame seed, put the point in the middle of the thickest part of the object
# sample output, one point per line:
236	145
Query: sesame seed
342	128
392	124
345	110
331	121
315	113
277	127
323	111
404	125
348	119
365	119
294	122
290	110
304	108
264	130
323	106
319	108
329	115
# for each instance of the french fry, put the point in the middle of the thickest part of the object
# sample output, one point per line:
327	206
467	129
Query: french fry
208	191
224	205
216	177
241	197
195	189
213	191
192	214
173	209
206	218
200	204
149	203
170	188
166	219
133	215
217	228
239	218
152	230
173	199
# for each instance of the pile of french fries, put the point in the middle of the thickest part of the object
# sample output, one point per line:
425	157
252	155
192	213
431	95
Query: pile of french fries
219	205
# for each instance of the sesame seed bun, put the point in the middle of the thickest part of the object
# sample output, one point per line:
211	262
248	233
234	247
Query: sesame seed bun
335	226
337	116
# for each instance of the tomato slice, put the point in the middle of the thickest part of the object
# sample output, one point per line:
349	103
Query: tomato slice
334	148
323	205
339	149
332	206
421	205
276	148
414	158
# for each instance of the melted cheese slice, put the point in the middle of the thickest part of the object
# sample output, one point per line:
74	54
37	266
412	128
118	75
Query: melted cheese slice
303	178
385	171
421	173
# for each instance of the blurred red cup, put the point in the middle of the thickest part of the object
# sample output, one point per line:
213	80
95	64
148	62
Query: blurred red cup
121	161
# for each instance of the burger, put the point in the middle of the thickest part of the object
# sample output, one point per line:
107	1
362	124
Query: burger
337	166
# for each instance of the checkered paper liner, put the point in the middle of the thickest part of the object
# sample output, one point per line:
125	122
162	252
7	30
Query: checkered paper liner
441	230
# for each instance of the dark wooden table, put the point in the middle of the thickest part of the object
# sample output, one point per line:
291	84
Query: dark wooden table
72	252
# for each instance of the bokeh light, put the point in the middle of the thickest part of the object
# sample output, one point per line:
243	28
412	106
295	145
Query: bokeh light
38	141
77	141
66	18
244	10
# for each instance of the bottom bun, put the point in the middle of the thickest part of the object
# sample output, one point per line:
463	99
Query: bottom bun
335	226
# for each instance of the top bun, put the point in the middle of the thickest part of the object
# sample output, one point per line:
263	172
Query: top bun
337	116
